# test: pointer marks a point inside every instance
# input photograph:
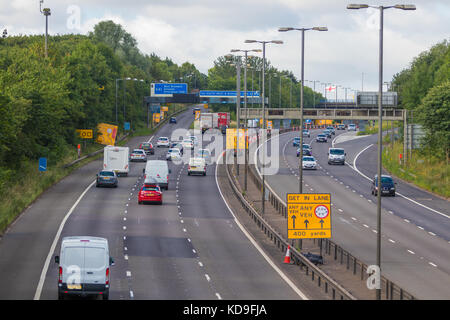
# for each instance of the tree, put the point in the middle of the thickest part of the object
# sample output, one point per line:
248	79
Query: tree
434	114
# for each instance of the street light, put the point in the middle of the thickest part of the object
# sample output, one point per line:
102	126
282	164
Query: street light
380	119
246	111
263	112
124	92
285	29
46	12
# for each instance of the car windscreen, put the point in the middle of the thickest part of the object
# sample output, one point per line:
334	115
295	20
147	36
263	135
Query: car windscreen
387	180
107	174
321	136
337	151
308	159
138	152
145	145
150	189
163	139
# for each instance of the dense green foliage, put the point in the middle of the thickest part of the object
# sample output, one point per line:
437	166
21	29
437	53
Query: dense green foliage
44	100
424	89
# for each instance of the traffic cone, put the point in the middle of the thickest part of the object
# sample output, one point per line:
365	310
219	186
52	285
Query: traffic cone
287	257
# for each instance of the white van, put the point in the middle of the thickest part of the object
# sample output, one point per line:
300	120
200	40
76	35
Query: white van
84	264
116	159
159	170
197	166
336	156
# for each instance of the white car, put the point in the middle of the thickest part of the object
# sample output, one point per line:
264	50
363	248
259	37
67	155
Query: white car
187	143
309	162
163	142
138	155
173	154
351	127
197	166
205	154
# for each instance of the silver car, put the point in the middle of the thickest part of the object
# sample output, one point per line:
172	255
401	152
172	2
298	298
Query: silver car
107	178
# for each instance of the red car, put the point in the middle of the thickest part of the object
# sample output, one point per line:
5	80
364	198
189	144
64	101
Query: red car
150	192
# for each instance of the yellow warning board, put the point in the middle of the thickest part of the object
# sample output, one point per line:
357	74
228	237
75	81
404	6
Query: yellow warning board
309	215
197	115
164	108
156	117
231	139
85	133
106	134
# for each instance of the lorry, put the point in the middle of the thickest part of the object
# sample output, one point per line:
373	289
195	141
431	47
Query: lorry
116	159
216	120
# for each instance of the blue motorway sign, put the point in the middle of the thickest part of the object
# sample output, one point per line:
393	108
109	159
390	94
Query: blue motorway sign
42	164
155	108
126	126
226	94
168	88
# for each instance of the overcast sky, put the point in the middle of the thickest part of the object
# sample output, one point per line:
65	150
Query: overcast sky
199	31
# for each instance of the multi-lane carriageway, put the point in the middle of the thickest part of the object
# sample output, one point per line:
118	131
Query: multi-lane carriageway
415	248
189	248
192	247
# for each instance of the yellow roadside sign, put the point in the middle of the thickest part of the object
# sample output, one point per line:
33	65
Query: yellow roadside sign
197	115
269	124
164	108
309	215
205	106
85	133
106	134
231	138
156	117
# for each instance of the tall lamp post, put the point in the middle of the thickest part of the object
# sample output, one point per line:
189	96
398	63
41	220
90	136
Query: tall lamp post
285	29
263	113
380	119
246	111
46	12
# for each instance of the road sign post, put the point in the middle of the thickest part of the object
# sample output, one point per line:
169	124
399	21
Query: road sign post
42	164
309	215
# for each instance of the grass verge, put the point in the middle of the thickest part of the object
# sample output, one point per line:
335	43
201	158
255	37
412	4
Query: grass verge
425	171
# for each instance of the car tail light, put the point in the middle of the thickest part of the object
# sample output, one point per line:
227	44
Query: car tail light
60	275
189	167
167	178
107	276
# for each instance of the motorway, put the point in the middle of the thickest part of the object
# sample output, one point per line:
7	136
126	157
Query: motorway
188	248
415	226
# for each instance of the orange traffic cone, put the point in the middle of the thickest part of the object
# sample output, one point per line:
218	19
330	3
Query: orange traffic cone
287	257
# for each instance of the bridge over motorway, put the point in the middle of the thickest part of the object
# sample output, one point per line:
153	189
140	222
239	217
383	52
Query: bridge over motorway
361	113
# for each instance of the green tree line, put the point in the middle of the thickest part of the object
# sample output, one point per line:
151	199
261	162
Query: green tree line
424	88
44	100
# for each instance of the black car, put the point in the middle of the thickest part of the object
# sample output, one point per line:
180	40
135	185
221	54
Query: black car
331	129
173	120
147	147
107	178
223	129
387	185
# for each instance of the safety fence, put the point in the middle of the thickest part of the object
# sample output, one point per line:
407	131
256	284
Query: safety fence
331	287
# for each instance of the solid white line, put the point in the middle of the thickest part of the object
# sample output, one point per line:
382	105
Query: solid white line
401	195
38	292
249	237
